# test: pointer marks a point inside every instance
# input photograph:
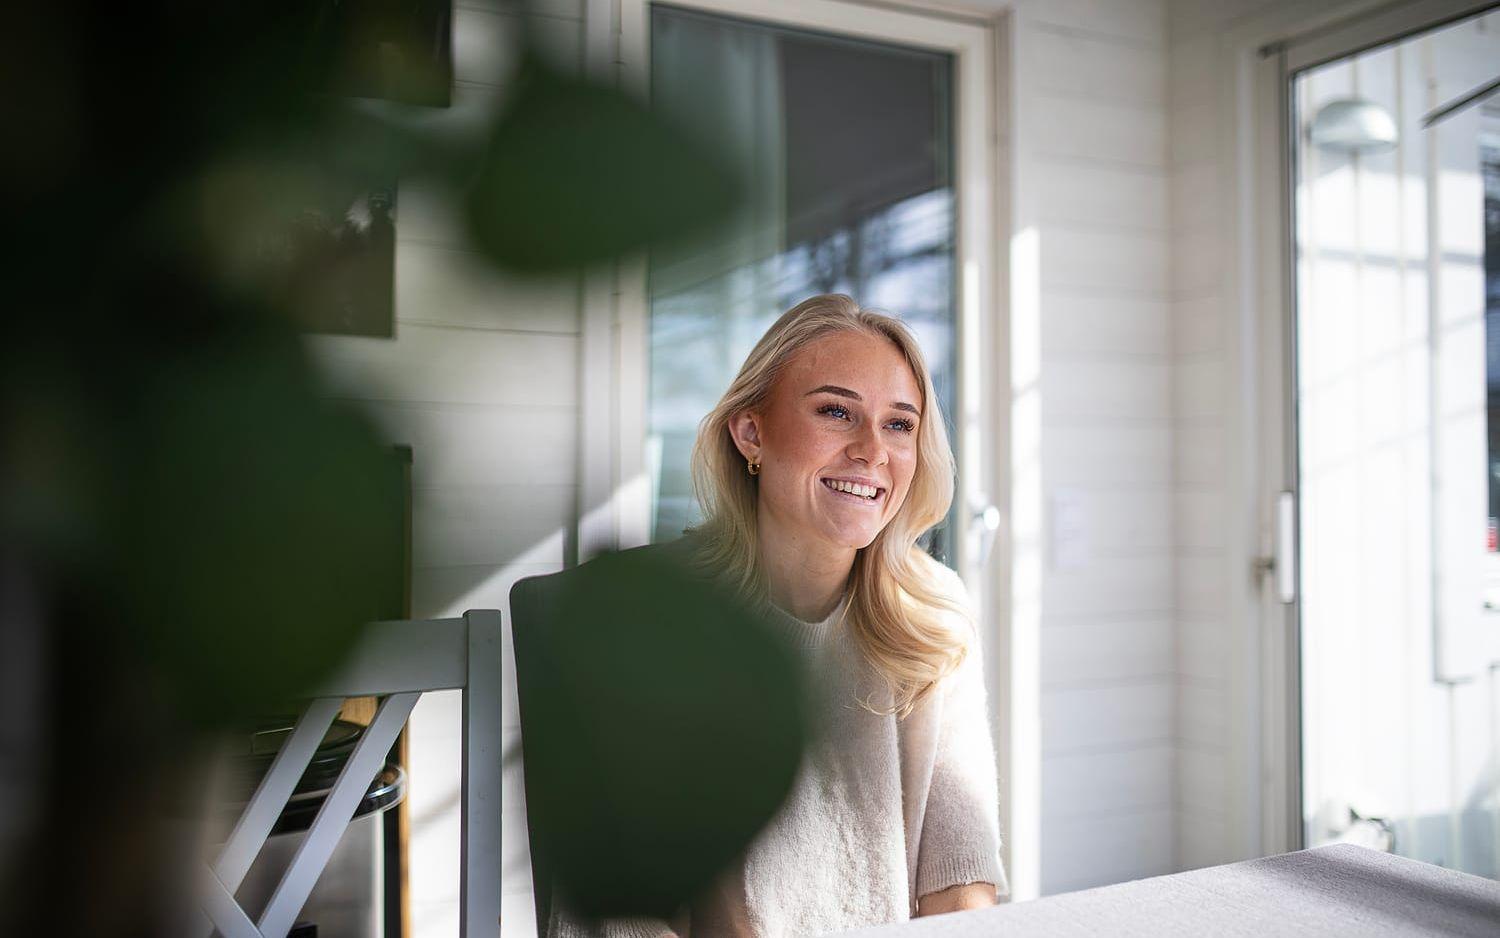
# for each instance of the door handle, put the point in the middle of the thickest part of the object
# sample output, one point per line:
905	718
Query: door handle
1282	563
986	517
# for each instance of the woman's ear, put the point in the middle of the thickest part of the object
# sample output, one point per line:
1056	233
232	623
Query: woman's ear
744	429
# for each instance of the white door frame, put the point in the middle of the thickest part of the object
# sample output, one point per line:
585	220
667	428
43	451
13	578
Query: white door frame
1261	58
615	492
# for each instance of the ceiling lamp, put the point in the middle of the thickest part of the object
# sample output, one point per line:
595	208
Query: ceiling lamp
1352	125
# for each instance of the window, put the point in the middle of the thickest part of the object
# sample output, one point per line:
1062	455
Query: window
845	147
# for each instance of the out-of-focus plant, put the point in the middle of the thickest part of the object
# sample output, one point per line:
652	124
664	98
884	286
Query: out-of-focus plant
192	521
669	728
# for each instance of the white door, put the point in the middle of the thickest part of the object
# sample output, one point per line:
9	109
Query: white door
1396	287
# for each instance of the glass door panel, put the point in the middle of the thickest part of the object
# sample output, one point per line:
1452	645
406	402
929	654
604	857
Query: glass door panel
1397	208
845	148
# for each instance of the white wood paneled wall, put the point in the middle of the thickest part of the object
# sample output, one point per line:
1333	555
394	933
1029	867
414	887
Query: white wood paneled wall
1201	436
1091	91
482	379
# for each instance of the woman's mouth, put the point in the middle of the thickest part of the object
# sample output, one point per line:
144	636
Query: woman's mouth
855	491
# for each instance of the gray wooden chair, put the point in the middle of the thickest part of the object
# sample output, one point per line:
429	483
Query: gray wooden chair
397	662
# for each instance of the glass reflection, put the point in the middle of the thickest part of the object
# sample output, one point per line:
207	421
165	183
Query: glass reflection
845	149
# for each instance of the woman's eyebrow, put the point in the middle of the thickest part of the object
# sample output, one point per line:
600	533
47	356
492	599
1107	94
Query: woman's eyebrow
854	396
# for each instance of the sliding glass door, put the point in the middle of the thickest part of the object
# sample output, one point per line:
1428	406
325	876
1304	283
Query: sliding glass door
1396	189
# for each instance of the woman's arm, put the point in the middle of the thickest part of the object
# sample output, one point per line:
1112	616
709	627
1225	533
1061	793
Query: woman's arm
958	862
957	899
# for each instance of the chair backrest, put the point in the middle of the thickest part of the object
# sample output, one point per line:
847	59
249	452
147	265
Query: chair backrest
532	603
397	662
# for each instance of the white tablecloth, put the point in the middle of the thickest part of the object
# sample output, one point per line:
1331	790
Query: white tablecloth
1335	890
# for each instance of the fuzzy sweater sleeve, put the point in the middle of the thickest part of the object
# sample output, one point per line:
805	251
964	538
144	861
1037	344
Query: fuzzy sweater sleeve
960	841
565	924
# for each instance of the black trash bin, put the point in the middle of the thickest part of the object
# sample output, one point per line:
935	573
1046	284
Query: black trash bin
349	897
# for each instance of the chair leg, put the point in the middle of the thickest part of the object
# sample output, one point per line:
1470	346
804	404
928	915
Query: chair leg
479	890
338	808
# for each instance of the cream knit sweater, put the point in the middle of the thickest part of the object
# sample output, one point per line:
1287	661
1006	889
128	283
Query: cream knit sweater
882	810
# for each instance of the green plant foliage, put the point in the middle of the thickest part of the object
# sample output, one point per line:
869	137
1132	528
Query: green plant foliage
258	535
577	173
670	730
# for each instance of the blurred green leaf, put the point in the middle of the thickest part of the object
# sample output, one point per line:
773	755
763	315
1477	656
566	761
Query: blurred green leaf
258	533
668	732
578	173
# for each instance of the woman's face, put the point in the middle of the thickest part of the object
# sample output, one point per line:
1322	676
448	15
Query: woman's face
837	440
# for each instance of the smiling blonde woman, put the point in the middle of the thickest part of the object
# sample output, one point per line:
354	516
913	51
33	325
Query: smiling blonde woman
821	466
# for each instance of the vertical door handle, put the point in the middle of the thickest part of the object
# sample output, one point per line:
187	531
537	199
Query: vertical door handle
1286	547
1281	565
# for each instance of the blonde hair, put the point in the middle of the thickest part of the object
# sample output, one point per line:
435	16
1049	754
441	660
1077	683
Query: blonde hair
897	595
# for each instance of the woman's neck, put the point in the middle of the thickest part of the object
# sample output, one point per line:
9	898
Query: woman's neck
803	577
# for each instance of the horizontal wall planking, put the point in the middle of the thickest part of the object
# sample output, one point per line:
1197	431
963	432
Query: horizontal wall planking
434	773
1087	323
1108	133
1106	456
1127	522
1141	21
452	591
440	285
440	364
487	43
1200	456
517	913
1114	261
1202	582
1194	135
515	853
492	525
1088	784
1197	326
1194	198
1106	389
1202	840
1201	387
561	9
437	814
1116	648
1193	71
440	592
1110	586
440	916
1190	17
429	211
1202	713
1081	853
1197	263
1089	194
1122	715
1199	519
486	46
1096	67
482	444
1203	649
1202	780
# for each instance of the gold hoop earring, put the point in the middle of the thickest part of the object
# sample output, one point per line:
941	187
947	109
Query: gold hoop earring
752	467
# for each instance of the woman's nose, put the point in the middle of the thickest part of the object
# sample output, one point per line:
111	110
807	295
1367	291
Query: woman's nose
868	447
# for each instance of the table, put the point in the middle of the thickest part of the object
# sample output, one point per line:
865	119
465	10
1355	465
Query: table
1340	889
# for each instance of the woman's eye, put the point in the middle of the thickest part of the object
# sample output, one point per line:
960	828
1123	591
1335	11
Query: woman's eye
835	410
903	425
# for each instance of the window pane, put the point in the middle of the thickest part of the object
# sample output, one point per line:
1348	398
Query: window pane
845	150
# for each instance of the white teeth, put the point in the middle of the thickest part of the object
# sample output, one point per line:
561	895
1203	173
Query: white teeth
853	488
